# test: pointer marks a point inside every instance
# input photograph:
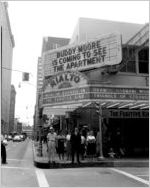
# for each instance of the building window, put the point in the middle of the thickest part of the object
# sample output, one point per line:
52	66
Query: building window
143	61
130	66
55	46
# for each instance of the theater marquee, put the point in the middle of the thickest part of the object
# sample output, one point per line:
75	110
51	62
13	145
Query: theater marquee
89	92
93	54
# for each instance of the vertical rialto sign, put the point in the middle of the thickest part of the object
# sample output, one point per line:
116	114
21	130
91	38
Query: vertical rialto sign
103	51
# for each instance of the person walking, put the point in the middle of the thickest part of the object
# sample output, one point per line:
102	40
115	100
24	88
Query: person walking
3	150
75	141
51	140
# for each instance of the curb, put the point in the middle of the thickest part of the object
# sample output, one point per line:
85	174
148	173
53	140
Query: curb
101	163
92	164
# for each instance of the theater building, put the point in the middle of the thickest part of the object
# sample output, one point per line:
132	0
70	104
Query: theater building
104	68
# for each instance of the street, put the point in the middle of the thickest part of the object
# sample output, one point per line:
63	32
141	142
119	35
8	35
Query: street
20	172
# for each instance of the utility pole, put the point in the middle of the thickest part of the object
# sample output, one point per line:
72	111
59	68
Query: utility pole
40	122
60	122
98	106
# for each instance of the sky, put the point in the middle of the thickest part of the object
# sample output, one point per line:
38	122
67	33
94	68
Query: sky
32	20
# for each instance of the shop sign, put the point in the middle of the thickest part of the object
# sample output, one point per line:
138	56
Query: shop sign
93	54
94	93
64	80
126	113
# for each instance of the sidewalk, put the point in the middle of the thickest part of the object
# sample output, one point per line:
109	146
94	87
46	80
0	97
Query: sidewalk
42	162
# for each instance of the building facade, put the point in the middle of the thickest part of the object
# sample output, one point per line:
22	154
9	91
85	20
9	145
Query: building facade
19	128
7	45
27	130
12	109
106	64
49	43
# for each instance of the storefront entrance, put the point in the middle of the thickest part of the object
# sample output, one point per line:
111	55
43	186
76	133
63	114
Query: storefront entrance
132	135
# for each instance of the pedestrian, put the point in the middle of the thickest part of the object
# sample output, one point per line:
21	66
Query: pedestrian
3	150
75	141
51	139
83	145
68	146
61	145
91	145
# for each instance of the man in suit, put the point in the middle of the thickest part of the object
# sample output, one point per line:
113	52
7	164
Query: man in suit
3	150
75	141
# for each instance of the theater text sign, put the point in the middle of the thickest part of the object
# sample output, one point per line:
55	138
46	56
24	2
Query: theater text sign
116	113
106	50
80	94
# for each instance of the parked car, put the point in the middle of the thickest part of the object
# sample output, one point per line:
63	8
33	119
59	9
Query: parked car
9	137
17	138
22	137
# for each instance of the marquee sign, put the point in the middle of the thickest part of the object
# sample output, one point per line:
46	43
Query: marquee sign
64	80
116	113
74	95
93	54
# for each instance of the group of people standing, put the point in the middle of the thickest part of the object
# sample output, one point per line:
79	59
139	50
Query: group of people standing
70	145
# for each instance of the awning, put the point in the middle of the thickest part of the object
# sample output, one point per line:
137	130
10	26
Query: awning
106	104
61	110
120	104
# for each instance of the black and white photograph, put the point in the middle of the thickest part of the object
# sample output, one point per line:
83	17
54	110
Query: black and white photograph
74	93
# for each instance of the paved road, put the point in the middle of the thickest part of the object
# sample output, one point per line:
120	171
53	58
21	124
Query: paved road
20	172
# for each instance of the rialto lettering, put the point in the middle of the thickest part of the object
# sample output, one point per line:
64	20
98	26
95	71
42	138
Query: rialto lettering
65	77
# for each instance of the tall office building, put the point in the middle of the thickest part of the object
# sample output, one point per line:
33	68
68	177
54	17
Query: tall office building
50	43
12	109
39	88
6	52
39	75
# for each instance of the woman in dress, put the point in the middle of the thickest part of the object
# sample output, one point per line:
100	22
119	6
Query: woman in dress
61	145
68	146
91	145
